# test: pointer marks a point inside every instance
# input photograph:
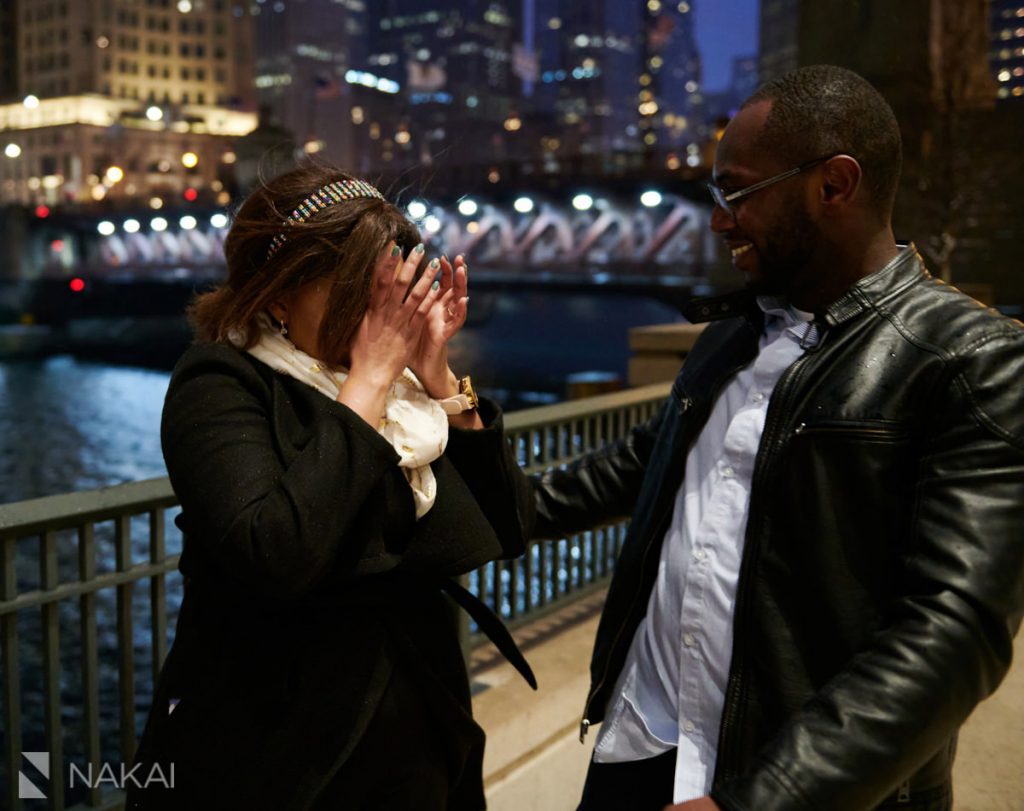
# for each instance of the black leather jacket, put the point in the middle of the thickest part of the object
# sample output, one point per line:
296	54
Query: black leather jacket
882	579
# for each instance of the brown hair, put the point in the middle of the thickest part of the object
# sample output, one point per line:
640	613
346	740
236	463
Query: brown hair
341	242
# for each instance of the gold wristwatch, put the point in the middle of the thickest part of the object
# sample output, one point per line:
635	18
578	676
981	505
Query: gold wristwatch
465	400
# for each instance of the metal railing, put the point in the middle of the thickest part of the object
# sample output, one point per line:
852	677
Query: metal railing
70	565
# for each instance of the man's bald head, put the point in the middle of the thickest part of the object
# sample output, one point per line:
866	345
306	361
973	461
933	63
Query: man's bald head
826	110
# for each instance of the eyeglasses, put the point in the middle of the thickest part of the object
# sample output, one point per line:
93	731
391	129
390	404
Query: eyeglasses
724	199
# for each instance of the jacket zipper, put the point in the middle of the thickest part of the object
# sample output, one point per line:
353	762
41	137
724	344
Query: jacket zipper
903	793
685	403
857	427
775	437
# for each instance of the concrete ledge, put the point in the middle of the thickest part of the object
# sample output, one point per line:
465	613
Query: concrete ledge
534	759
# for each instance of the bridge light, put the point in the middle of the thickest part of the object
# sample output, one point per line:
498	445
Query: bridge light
417	209
468	207
524	205
219	220
188	222
158	224
30	101
582	202
651	198
131	226
106	227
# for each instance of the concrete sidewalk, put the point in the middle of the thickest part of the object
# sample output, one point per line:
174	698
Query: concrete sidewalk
534	760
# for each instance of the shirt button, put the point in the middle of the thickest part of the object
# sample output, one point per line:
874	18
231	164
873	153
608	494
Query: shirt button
728	472
689	726
700	554
688	640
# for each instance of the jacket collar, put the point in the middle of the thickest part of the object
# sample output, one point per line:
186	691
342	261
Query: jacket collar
906	268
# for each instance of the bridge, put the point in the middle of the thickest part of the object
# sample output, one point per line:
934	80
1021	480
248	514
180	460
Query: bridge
653	243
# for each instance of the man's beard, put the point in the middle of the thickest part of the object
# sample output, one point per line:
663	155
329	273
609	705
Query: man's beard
785	254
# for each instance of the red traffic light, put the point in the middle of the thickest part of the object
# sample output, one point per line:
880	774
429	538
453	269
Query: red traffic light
191	195
42	212
77	285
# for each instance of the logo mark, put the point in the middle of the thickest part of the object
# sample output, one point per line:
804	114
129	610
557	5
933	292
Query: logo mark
27	790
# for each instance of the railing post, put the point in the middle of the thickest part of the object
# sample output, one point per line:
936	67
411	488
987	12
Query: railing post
125	641
90	659
12	677
51	671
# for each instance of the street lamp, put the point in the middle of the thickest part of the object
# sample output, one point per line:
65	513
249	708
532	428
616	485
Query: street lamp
468	207
154	113
106	227
158	224
417	209
30	101
12	150
650	198
582	202
524	205
190	160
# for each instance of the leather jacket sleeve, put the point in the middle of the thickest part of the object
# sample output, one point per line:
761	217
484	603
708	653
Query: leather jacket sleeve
597	489
947	642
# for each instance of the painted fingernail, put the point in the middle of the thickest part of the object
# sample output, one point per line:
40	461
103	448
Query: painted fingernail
419	248
435	263
395	251
435	286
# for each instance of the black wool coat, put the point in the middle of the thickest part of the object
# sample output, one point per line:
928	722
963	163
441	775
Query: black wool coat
308	582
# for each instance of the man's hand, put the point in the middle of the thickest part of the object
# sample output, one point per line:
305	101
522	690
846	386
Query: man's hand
700	804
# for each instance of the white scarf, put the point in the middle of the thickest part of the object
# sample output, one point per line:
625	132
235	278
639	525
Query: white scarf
413	422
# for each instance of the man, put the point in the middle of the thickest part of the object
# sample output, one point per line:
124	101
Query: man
825	570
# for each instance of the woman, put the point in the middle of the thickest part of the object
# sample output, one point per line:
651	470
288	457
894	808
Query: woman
333	475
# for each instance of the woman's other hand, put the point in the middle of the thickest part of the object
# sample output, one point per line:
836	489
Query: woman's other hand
390	333
446	317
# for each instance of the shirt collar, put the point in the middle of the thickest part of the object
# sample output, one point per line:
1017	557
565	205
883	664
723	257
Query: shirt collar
781	315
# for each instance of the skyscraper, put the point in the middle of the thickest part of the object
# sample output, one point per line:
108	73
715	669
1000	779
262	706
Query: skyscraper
591	57
123	99
1007	54
304	50
670	81
438	81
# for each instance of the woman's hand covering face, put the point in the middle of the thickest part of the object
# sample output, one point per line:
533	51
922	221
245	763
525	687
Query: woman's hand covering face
390	334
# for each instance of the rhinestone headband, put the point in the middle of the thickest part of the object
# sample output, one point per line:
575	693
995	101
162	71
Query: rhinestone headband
329	195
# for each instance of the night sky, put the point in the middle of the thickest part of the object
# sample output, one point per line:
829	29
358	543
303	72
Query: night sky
725	29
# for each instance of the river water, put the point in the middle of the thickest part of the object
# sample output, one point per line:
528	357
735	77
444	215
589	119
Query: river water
68	425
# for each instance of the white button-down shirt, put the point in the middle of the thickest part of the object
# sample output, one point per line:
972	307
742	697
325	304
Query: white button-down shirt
671	691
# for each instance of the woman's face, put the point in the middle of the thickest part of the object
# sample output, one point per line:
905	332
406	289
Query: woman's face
303	310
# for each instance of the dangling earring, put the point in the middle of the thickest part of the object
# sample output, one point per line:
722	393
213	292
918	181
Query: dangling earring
284	330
